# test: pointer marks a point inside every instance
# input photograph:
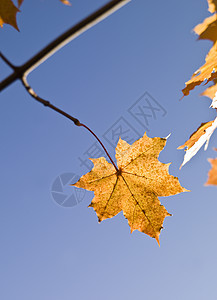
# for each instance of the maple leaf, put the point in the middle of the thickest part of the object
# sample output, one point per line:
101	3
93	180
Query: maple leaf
197	139
135	187
212	176
212	5
8	12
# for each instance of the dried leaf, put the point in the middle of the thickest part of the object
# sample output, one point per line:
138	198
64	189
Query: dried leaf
197	139
8	12
207	72
208	29
212	5
212	176
135	188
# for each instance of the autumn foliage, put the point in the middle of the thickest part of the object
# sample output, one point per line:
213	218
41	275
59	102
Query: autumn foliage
205	74
139	178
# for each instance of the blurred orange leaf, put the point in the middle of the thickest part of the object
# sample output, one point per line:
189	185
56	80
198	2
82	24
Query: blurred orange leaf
212	176
8	12
212	5
66	2
210	92
19	2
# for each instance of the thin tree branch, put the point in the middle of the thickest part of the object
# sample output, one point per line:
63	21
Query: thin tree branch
7	61
21	72
61	41
47	103
74	120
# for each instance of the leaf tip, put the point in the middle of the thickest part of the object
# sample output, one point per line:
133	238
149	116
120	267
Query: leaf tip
168	136
157	239
183	163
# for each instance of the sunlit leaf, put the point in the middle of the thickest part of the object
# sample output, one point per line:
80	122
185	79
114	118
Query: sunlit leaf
135	188
204	74
210	92
212	176
198	139
212	5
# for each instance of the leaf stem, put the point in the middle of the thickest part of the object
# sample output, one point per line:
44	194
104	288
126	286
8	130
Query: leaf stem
60	111
47	103
116	168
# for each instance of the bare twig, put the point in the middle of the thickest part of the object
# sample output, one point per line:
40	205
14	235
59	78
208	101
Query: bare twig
21	72
7	61
47	103
60	111
61	41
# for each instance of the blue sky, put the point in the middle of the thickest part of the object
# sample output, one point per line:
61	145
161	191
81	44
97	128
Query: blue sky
53	252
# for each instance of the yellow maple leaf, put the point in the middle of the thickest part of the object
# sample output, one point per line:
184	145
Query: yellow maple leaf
212	176
8	12
212	5
135	187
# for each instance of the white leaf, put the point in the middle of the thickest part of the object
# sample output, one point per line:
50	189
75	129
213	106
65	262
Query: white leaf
203	139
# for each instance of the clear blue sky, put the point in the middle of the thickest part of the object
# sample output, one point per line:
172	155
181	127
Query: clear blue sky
51	252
